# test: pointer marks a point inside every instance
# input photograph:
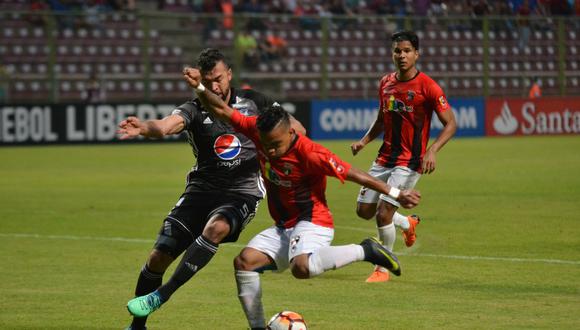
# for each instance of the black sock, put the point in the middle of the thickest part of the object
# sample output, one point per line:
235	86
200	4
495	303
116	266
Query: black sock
195	258
148	282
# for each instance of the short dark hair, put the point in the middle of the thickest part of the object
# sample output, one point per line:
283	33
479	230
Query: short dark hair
409	36
272	116
208	58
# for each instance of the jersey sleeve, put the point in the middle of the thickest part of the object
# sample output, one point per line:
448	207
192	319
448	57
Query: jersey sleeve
320	160
245	125
186	111
437	98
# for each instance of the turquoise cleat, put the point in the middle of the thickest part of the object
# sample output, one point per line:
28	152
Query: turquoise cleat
144	305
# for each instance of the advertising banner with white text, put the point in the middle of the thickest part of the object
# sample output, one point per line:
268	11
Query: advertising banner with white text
57	124
351	119
90	123
511	116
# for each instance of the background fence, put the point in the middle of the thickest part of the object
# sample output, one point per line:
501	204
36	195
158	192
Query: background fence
48	57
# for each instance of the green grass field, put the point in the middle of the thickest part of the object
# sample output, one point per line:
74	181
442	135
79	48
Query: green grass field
498	248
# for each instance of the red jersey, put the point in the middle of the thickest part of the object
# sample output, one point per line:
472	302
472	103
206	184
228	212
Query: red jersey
295	182
407	108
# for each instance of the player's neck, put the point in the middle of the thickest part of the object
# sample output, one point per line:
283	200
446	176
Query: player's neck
228	97
407	75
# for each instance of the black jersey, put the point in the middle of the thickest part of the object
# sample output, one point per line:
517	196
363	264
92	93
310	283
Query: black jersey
226	159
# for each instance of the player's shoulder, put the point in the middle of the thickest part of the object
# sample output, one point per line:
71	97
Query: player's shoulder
426	79
254	95
307	147
388	77
191	105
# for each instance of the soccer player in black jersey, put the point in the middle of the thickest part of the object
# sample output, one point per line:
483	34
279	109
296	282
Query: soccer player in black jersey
223	188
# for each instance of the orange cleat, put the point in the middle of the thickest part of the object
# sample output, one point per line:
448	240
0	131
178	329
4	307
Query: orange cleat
410	235
379	275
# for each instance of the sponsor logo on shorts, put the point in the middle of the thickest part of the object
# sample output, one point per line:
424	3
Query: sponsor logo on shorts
191	266
294	243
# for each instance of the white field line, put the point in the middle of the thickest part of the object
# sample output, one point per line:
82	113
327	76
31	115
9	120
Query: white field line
427	255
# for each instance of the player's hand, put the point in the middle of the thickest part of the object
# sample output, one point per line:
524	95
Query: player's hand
429	161
130	128
409	198
356	147
192	76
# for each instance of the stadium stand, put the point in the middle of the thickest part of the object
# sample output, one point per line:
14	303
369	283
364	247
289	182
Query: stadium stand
139	55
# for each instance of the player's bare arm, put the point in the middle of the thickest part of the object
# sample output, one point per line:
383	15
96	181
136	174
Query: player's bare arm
407	198
447	118
155	129
374	131
210	101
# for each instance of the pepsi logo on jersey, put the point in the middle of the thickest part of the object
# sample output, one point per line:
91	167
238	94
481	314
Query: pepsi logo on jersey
227	146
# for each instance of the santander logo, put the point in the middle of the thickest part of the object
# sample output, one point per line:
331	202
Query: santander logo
527	117
505	123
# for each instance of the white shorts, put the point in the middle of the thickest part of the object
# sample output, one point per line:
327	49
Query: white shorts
399	177
284	244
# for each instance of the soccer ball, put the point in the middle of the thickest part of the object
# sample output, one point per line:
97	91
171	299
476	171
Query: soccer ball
286	320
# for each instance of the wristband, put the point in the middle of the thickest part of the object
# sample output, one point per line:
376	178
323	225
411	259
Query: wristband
394	192
200	87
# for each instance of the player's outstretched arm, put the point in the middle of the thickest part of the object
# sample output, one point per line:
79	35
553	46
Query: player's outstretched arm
374	131
133	127
407	198
210	101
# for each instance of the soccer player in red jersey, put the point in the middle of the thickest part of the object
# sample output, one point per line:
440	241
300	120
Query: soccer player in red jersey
294	169
407	100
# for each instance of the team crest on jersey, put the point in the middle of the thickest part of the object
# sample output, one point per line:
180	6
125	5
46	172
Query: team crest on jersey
442	100
273	177
410	95
287	168
227	146
397	105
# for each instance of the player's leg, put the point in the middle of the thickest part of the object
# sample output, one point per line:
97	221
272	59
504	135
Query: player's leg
150	278
223	223
171	242
387	217
367	199
183	225
266	251
311	254
197	255
368	208
404	178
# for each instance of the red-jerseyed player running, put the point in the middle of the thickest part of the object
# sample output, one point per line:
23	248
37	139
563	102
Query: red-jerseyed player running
295	170
407	100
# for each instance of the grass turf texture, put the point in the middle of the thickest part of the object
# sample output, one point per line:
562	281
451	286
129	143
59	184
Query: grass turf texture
77	223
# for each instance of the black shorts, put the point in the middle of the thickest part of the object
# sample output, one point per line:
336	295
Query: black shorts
189	216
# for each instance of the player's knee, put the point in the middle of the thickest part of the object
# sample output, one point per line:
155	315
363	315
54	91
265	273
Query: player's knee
365	212
385	213
300	268
241	262
300	273
217	229
159	261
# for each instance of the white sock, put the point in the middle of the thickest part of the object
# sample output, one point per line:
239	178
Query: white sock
401	221
250	295
388	235
333	257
